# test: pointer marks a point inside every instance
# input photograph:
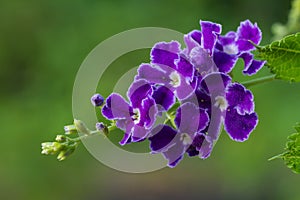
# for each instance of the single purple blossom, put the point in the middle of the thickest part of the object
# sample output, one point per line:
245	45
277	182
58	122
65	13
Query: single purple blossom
136	117
169	68
230	98
190	121
226	103
226	50
233	104
200	46
236	45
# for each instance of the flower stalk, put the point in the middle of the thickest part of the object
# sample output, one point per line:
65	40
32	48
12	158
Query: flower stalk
258	81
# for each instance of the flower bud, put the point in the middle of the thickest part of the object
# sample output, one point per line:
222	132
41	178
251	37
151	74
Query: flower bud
61	156
61	138
81	127
65	153
101	127
51	147
70	129
97	100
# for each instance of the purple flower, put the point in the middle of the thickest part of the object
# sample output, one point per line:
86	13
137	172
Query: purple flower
97	100
173	144
236	45
232	104
226	103
169	68
197	78
135	118
226	50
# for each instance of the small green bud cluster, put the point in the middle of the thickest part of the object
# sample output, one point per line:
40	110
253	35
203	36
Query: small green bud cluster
64	145
66	152
50	148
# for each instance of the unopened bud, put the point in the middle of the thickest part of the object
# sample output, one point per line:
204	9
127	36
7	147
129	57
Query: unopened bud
101	127
65	153
51	147
81	127
70	129
61	138
97	100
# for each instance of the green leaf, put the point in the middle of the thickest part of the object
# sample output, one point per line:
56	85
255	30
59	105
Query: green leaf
291	156
283	57
297	127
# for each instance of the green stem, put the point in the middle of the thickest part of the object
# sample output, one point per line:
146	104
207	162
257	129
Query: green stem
78	139
95	132
111	128
277	156
258	81
171	119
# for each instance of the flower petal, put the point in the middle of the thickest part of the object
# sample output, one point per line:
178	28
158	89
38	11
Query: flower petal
138	91
161	138
210	32
240	98
126	139
198	140
225	62
239	126
255	66
202	61
248	58
139	133
192	151
165	53
229	38
122	124
184	90
203	120
214	128
190	43
248	31
200	146
185	68
148	112
116	107
200	98
215	83
153	74
164	97
126	126
174	154
196	35
205	149
203	98
190	119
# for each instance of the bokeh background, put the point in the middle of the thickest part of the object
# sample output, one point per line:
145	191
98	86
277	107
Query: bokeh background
43	43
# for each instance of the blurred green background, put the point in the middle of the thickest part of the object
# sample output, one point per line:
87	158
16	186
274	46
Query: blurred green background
43	43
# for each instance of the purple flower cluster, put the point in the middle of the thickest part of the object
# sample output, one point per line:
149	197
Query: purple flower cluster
197	79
